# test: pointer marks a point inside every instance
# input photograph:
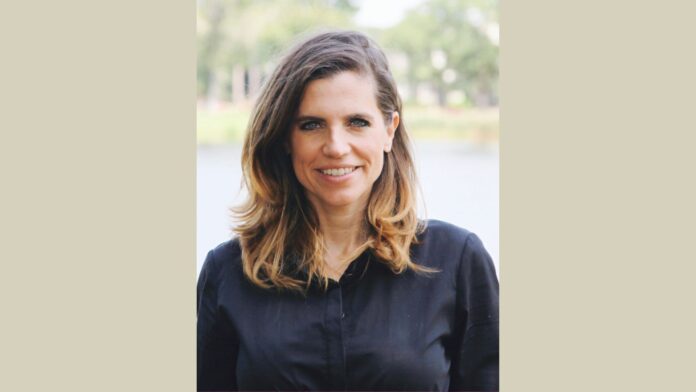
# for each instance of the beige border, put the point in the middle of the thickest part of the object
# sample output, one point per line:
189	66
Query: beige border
98	205
597	196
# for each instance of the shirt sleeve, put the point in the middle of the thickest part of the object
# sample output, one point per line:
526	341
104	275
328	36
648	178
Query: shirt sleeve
216	345
475	354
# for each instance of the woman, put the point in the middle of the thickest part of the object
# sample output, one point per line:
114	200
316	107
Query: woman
333	283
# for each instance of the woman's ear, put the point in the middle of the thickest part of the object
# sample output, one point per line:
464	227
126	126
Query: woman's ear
391	129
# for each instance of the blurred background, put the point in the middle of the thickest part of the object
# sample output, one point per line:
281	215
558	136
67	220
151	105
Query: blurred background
443	54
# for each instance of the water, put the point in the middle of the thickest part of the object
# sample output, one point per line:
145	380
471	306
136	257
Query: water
459	182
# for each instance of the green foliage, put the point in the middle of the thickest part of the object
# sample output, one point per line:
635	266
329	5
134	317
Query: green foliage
446	26
252	33
288	20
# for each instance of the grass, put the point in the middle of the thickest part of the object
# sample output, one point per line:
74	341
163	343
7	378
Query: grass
223	125
227	124
481	125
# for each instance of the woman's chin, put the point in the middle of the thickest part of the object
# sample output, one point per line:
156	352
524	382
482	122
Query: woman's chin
342	201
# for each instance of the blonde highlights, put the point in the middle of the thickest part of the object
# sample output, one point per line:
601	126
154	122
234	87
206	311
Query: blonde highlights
281	241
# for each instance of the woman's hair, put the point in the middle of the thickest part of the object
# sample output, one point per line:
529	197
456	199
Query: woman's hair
282	245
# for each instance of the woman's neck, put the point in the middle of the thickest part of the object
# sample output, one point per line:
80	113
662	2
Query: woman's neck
343	231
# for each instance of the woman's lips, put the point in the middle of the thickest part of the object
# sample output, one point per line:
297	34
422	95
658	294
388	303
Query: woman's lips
337	174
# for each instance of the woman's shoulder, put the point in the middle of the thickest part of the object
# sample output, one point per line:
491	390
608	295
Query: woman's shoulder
444	233
228	249
226	256
449	242
438	227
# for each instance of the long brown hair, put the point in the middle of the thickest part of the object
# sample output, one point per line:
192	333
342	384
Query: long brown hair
282	245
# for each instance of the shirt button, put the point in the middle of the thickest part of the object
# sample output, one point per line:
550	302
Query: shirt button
343	315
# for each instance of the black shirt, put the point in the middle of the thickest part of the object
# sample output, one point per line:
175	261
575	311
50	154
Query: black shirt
372	330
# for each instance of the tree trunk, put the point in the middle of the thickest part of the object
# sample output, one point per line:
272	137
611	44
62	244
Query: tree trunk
214	89
254	81
441	96
238	95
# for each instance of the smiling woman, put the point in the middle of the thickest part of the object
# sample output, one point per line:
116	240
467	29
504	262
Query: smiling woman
339	141
333	283
338	146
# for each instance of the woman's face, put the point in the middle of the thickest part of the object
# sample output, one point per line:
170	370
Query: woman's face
338	140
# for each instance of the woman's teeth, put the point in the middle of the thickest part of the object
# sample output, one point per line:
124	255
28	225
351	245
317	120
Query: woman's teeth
338	172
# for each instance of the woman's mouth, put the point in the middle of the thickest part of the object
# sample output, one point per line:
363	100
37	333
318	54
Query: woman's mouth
338	172
337	175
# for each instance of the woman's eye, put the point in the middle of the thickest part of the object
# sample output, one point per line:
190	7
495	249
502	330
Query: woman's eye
309	125
358	122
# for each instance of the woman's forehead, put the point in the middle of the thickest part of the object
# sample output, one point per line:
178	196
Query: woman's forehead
346	91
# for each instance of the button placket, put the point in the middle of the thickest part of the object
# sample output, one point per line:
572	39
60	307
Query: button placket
334	327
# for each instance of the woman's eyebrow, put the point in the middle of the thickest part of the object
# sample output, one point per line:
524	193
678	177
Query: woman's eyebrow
361	115
349	116
308	118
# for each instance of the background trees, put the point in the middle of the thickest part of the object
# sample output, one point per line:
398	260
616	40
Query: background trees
238	40
450	46
443	52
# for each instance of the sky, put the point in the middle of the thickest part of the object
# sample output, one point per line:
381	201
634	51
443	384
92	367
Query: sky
387	13
383	13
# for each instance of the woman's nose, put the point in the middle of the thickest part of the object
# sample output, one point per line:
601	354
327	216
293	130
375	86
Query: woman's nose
336	144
